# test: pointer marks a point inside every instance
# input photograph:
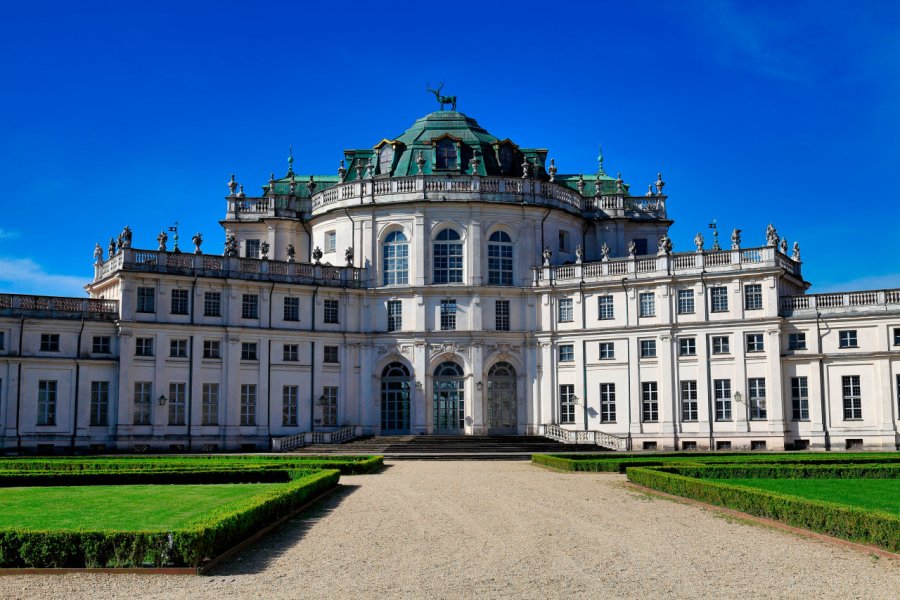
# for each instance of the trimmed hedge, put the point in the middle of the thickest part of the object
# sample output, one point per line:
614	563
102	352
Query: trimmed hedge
780	471
179	477
870	527
189	546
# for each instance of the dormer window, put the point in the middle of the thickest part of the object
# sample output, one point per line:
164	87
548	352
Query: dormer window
446	155
385	159
507	159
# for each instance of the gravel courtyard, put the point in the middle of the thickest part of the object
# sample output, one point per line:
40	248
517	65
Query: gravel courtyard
505	529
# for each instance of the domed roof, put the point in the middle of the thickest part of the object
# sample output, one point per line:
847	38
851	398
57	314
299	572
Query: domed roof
446	123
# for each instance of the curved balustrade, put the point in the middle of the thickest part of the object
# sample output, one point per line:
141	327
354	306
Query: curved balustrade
568	436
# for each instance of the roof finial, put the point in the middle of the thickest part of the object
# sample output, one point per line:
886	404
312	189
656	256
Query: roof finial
290	160
600	170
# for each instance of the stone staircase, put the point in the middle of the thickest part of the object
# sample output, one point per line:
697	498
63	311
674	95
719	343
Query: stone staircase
450	447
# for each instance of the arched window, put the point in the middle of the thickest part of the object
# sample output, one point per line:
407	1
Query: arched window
446	155
396	259
448	257
449	398
385	159
395	393
500	259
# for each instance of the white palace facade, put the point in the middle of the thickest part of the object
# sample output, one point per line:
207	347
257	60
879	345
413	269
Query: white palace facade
449	282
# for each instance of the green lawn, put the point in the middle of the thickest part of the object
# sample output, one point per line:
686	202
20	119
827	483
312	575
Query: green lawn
119	507
871	494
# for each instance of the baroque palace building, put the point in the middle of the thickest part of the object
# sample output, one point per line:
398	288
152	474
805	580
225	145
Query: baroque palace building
448	281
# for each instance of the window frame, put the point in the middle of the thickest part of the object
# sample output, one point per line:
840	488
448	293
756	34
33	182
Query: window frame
755	343
290	405
756	398
145	300
685	302
689	405
647	348
723	400
290	307
99	408
394	315
848	338
501	268
649	402
566	403
646	304
212	349
606	308
249	351
797	340
49	342
177	403
448	257
249	306
687	346
179	302
329	405
851	394
607	402
565	311
607	351
501	315
566	353
290	353
718	299
395	259
178	348
143	347
448	311
799	398
248	404
331	311
100	344
209	404
753	296
331	355
721	344
143	403
47	402
212	304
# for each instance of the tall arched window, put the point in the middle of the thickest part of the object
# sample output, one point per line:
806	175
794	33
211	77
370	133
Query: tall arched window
500	259
448	257
446	155
449	398
396	259
385	159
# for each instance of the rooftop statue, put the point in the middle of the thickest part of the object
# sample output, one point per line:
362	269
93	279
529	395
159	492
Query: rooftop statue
198	241
771	235
736	239
98	254
161	239
698	241
604	252
451	100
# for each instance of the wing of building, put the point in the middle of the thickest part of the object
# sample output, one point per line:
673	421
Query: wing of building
448	281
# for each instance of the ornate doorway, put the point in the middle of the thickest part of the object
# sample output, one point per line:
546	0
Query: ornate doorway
395	399
502	407
449	398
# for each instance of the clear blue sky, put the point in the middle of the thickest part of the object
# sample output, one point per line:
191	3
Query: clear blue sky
121	113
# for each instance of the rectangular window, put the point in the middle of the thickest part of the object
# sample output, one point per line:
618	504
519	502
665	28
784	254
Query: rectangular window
800	398
248	404
49	342
180	302
1	339
566	313
605	308
501	315
448	315
687	346
649	402
212	349
178	348
753	299
143	402
291	309
290	395
209	398
394	315
177	403
291	352
330	312
847	338
99	403
330	241
647	302
722	392
608	402
896	337
640	246
852	393
685	302
251	249
330	354
102	344
648	348
146	300
718	299
564	244
212	304
755	342
46	403
607	350
721	344
567	403
329	405
796	341
566	353
249	351
143	346
756	388
250	306
689	401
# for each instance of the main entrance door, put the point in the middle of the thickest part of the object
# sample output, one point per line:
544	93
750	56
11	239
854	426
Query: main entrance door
502	407
449	398
395	399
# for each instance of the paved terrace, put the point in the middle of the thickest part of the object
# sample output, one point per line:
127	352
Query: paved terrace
505	530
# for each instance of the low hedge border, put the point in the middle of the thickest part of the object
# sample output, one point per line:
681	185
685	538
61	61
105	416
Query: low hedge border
781	471
189	546
174	477
869	527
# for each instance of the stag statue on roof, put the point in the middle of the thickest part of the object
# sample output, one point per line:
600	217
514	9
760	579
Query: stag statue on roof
451	100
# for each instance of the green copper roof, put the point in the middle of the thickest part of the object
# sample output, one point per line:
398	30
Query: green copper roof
441	123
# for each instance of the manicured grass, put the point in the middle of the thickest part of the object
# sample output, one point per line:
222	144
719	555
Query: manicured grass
870	494
119	507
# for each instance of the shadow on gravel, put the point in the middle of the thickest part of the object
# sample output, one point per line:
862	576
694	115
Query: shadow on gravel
260	555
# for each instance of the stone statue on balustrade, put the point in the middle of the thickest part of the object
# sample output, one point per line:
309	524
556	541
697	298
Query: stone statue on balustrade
317	255
771	236
290	252
348	256
736	239
98	254
698	241
112	247
795	255
126	237
632	248
784	245
231	246
547	255
264	249
198	241
664	246
161	239
604	252
579	254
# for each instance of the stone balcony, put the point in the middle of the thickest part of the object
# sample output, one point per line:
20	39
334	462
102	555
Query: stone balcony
840	302
650	267
468	188
242	208
58	307
231	267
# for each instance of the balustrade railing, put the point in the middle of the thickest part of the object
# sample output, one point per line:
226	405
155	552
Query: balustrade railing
288	443
58	307
870	298
568	436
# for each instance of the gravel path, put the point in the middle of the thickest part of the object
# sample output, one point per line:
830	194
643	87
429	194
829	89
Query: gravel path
505	529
